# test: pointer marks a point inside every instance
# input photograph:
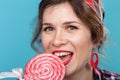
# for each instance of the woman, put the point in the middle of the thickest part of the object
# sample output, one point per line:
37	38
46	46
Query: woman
73	30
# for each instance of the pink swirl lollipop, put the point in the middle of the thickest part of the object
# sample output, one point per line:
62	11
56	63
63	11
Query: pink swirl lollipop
44	67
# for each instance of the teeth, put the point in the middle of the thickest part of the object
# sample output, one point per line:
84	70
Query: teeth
62	54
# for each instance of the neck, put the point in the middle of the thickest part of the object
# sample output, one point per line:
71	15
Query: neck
83	74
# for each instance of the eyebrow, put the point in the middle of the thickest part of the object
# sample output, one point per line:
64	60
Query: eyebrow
68	22
46	24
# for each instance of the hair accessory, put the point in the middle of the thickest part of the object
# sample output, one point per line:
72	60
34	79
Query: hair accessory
97	7
94	60
91	4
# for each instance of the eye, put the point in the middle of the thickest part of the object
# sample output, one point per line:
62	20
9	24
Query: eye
49	28
72	27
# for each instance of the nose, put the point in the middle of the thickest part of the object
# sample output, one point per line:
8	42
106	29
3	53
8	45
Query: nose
59	39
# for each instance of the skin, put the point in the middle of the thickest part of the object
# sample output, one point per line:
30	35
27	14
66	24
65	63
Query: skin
63	30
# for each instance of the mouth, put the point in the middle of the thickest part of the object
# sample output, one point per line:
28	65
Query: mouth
65	56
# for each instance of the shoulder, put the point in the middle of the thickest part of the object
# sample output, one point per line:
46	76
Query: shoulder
106	75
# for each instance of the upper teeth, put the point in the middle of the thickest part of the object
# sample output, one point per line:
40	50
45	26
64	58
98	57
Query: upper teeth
62	54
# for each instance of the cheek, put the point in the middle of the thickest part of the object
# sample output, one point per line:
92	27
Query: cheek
82	42
45	41
83	47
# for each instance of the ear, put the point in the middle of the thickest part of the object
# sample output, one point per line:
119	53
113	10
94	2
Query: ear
95	45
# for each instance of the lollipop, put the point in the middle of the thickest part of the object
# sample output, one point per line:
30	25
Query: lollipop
44	67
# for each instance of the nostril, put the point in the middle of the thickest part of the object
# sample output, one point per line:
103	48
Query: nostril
59	42
59	38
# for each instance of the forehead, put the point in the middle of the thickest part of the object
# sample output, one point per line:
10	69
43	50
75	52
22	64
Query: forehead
62	11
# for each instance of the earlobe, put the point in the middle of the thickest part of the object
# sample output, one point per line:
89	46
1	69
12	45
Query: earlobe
95	46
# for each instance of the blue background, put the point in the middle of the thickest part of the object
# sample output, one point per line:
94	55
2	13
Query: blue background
17	22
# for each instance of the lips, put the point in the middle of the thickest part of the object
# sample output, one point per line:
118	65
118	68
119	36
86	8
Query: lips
65	56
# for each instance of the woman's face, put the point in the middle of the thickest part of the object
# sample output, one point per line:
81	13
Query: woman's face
66	36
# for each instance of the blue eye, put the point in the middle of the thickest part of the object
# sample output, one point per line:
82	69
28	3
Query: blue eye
48	29
72	27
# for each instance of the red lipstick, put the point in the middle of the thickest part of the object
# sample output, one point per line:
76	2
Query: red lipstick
64	55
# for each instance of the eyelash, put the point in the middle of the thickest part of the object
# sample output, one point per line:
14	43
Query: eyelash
71	27
48	29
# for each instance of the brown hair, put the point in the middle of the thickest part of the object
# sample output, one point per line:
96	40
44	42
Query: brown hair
83	12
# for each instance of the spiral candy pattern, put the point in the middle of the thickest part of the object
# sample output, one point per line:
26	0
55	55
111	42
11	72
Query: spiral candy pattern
44	67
